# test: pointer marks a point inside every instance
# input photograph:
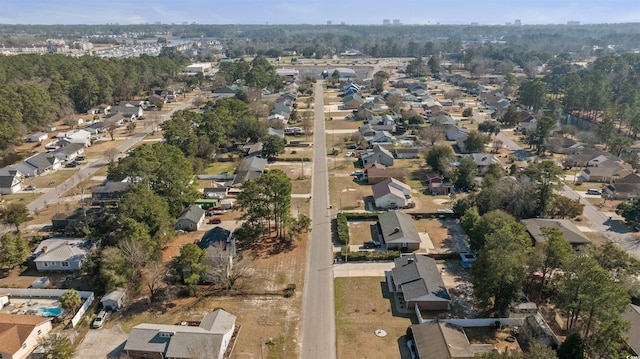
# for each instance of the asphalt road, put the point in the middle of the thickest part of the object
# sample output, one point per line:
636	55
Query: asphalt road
318	316
87	169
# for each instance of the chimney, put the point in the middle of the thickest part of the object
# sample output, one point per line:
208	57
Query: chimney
396	230
44	249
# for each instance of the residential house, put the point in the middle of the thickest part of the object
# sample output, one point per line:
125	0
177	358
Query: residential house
110	191
437	184
10	180
209	339
527	121
73	122
606	171
75	136
249	169
564	145
275	132
99	110
62	254
216	192
377	172
39	164
114	300
483	161
417	278
632	314
397	231
437	339
624	188
190	219
392	193
352	102
156	100
569	230
351	88
411	152
588	157
253	149
494	101
377	154
227	91
381	137
69	152
21	334
220	252
384	120
37	137
453	132
128	110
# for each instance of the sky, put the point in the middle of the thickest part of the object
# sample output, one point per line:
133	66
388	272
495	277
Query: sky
351	12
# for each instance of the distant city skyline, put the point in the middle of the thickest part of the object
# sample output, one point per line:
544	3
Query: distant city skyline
353	12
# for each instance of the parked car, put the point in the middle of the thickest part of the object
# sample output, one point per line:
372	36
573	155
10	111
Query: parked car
100	319
30	188
356	173
80	158
71	165
594	192
215	220
349	154
371	244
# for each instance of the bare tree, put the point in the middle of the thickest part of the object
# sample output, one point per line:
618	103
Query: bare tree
135	253
453	95
198	101
225	269
433	133
111	129
356	137
497	145
111	154
155	274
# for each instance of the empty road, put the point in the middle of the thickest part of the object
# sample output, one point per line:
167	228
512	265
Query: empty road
318	316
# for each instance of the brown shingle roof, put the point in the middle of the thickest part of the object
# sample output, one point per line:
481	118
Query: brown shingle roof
15	329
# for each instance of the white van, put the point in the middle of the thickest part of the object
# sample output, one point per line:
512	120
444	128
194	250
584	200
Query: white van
100	319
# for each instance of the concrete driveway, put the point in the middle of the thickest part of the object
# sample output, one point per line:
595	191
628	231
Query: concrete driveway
102	343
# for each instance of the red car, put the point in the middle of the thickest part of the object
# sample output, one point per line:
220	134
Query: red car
215	220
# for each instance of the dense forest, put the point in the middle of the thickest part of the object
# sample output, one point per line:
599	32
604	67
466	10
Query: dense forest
35	89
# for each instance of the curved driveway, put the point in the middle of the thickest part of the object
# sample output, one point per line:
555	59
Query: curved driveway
318	316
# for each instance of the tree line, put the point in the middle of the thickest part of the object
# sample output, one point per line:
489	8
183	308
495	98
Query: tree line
37	89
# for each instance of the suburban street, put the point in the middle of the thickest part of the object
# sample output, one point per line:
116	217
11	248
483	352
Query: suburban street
318	316
87	170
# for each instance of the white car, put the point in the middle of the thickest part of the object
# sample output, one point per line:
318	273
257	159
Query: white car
349	154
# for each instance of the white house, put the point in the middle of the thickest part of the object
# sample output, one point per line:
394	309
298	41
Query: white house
62	254
76	136
391	193
10	180
37	137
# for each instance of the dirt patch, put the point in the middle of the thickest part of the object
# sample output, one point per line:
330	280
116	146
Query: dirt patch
362	306
347	194
497	338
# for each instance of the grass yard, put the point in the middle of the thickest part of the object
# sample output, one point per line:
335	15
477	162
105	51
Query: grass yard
217	167
50	180
360	231
20	197
362	306
346	194
336	124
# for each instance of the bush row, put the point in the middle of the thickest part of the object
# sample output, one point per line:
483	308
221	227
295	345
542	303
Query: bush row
368	256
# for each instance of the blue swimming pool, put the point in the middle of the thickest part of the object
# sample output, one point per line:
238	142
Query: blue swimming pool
49	312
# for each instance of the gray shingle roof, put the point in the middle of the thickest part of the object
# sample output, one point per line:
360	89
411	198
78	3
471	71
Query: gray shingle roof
112	187
398	227
183	341
63	250
41	161
420	278
571	233
193	213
